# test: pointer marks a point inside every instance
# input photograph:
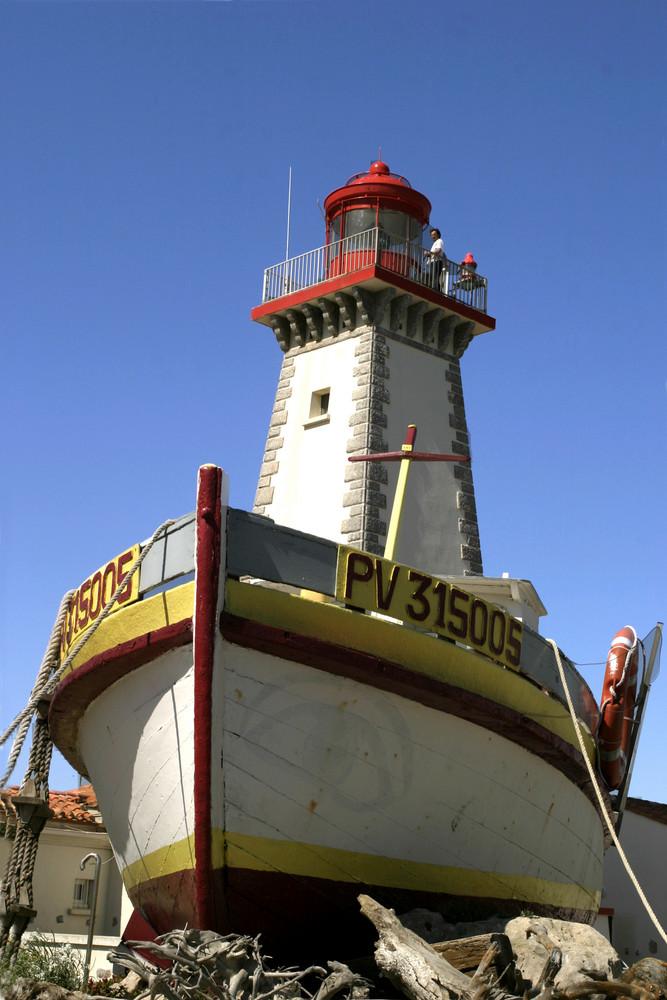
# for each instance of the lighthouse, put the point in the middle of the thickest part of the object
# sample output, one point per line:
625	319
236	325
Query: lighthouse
372	335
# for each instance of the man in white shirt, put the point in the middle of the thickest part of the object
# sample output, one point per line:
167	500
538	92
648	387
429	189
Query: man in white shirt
436	258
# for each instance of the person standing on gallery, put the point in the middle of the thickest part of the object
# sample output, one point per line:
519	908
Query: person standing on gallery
436	258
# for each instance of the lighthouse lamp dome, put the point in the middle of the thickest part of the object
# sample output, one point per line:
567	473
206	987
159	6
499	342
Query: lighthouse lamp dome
379	198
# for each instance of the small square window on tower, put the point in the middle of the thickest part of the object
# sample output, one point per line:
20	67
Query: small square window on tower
319	407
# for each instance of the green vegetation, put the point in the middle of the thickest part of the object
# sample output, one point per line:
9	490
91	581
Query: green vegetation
41	959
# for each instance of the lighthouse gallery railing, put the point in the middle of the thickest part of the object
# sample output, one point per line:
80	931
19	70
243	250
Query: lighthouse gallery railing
374	246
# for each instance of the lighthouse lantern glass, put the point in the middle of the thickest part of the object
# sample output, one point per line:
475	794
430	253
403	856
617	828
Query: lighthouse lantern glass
358	220
399	224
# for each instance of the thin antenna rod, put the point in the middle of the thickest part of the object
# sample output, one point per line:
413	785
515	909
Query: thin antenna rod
289	211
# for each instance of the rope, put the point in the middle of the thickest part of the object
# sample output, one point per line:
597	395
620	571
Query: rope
24	718
47	679
21	864
608	819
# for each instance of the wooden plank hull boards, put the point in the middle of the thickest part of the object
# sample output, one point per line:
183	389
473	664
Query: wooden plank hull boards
263	754
322	787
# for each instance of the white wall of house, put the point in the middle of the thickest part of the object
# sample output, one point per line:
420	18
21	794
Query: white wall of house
633	934
54	884
62	847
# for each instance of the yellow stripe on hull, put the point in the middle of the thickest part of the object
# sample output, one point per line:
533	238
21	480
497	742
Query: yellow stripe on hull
301	860
164	861
137	620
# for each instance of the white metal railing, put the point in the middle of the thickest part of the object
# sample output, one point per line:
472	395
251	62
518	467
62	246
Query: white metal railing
375	246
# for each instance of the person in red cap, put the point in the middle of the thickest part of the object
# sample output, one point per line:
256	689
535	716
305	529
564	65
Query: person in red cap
468	270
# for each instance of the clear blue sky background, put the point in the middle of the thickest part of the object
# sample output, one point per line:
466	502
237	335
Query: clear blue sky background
143	186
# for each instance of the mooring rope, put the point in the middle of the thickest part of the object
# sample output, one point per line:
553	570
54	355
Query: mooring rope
24	718
47	678
605	812
21	864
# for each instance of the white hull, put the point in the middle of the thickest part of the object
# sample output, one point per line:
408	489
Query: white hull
311	752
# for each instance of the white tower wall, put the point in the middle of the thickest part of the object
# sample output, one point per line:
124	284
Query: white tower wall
308	483
429	536
384	365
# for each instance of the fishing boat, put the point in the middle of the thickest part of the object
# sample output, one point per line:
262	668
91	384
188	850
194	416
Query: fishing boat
287	707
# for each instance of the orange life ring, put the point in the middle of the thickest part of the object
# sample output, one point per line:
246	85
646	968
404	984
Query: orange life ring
617	706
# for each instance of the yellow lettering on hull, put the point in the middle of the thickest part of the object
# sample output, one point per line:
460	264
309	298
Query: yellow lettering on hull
93	594
375	584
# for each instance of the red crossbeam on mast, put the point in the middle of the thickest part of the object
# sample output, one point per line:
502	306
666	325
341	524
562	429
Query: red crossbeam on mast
415	456
406	452
405	456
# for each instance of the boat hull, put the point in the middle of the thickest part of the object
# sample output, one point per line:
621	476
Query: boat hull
261	758
324	787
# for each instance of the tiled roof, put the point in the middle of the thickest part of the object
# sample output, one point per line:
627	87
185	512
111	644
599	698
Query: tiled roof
78	805
650	810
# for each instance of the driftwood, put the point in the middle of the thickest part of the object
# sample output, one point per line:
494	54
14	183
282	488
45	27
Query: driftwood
417	969
422	972
482	956
205	964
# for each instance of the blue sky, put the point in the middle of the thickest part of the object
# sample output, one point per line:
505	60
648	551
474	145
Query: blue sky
143	187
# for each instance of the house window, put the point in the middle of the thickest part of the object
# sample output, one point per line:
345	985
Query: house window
81	899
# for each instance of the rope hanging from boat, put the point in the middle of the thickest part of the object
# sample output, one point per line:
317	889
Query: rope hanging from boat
32	800
46	681
24	718
608	819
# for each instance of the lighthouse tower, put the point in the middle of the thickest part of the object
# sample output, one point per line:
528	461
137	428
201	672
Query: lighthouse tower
373	330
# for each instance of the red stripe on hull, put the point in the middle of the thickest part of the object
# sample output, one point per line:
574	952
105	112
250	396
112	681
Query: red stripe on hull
308	918
168	902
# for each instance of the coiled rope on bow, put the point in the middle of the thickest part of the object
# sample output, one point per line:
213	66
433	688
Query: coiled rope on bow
603	806
17	880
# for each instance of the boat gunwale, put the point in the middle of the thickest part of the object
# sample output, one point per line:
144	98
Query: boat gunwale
275	556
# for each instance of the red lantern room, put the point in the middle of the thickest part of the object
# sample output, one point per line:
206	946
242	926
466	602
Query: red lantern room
377	198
